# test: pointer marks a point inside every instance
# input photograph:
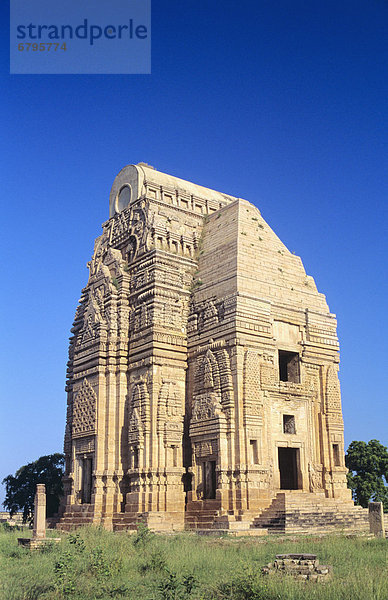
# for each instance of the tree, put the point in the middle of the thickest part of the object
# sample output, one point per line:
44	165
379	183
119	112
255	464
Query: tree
21	487
368	472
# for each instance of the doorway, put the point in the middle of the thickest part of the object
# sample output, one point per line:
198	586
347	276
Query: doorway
86	482
209	479
288	468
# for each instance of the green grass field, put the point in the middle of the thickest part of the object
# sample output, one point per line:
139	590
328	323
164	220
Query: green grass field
95	564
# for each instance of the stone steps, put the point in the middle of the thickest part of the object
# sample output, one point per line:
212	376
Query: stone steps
77	515
301	513
126	522
200	515
200	520
156	521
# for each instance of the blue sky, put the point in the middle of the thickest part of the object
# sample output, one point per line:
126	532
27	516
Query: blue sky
284	104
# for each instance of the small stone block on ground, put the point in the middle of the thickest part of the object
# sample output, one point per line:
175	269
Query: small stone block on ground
301	566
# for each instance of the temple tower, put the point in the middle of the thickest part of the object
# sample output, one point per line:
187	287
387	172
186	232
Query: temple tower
202	364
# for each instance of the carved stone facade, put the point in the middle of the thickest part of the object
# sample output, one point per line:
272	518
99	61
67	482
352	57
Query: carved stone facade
202	365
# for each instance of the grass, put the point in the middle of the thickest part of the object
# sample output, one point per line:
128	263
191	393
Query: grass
91	564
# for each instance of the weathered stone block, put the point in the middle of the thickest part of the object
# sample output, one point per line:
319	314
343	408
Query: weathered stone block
376	519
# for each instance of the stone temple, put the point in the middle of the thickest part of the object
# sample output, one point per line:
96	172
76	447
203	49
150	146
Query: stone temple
202	379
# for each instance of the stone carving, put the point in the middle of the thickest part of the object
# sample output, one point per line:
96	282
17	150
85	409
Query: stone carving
315	478
207	448
206	406
173	433
139	411
100	247
94	312
135	428
89	332
84	410
226	382
220	311
113	264
211	313
208	376
207	398
170	401
289	425
206	314
129	231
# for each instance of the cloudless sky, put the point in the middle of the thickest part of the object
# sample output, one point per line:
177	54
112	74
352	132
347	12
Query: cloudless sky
282	103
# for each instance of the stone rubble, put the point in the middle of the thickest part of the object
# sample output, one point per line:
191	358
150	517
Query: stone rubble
301	566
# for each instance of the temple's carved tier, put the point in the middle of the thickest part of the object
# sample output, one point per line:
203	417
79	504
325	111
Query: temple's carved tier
202	367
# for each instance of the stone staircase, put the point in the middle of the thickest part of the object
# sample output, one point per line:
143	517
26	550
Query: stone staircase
79	514
289	512
125	522
301	512
200	515
205	519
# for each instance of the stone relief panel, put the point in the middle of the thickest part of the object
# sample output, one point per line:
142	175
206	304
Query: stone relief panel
205	314
226	382
213	386
139	412
91	318
95	310
207	396
173	432
92	313
208	376
139	318
206	406
220	306
113	264
206	448
84	410
170	413
100	248
135	428
129	231
170	402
